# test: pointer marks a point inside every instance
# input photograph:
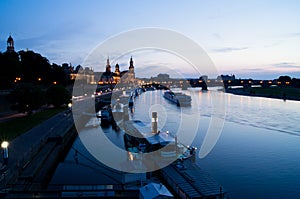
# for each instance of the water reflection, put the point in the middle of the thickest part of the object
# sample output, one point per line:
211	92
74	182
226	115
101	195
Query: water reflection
255	157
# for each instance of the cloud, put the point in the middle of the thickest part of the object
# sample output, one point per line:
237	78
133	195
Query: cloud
271	45
259	73
294	34
286	65
217	36
269	71
154	70
229	49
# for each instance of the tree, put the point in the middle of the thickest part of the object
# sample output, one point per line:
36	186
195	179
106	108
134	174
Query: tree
26	98
285	79
34	67
58	74
30	67
296	82
10	68
57	95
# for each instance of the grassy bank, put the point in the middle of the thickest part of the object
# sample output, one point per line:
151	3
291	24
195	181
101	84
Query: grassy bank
287	93
12	128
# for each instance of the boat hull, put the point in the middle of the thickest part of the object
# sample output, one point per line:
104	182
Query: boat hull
179	99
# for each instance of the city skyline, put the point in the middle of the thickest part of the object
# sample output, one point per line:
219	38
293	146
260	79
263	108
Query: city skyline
250	39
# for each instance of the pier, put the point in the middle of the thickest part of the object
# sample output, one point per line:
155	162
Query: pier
186	179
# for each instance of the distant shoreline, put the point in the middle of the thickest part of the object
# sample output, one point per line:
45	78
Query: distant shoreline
275	92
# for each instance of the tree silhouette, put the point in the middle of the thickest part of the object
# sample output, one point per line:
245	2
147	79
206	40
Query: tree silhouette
285	78
27	97
34	67
10	69
57	95
30	67
58	74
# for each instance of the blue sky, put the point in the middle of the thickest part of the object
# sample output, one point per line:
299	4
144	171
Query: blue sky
258	39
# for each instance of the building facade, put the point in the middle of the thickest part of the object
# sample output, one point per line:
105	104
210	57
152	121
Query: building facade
126	76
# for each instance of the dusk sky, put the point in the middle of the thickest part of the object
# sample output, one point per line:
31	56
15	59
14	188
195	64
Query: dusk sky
257	39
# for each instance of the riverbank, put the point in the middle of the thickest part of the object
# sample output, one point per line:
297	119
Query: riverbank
34	154
14	125
284	93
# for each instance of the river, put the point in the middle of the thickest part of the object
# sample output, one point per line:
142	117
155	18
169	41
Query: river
256	156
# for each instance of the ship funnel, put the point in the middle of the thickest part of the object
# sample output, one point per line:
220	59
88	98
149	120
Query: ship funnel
154	122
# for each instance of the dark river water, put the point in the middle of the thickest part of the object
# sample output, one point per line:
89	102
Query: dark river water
255	152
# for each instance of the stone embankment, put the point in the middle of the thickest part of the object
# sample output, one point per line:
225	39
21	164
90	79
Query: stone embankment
34	155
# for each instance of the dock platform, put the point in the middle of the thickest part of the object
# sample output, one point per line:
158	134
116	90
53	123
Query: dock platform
184	176
188	180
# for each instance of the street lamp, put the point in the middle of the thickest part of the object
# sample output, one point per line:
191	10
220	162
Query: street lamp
70	105
4	145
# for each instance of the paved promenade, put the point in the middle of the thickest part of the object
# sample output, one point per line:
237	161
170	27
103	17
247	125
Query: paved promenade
23	148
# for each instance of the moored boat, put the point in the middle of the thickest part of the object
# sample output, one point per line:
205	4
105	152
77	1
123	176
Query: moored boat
180	99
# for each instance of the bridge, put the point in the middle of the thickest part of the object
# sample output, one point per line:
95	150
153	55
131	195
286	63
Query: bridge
246	83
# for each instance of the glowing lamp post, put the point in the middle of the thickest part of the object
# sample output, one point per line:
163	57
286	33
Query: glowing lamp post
70	105
4	145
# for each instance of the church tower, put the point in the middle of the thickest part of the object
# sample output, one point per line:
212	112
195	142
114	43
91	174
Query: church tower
117	70
108	68
131	67
117	75
10	44
131	74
